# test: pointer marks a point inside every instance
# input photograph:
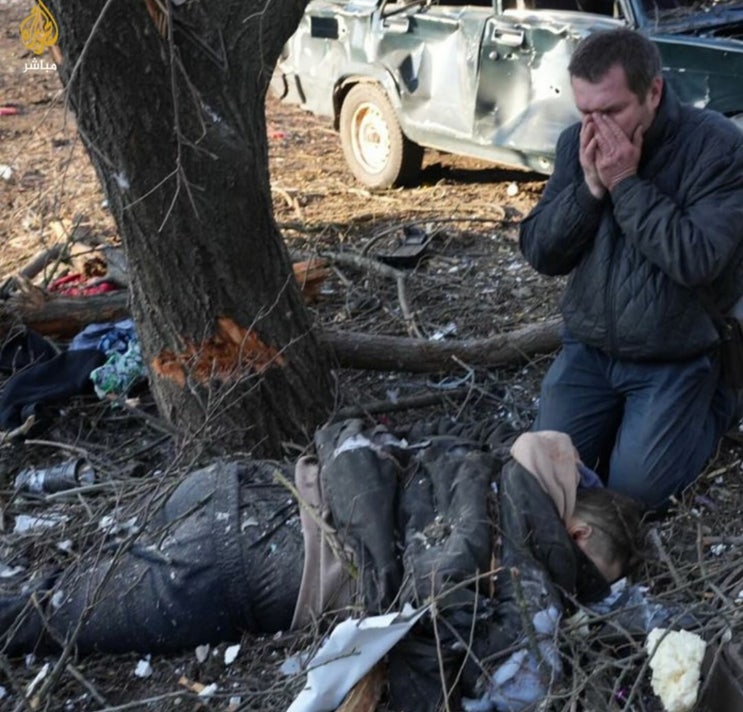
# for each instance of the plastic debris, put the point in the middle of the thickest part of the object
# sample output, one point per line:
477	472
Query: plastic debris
27	522
37	680
109	525
202	653
57	599
352	649
143	668
449	330
230	654
6	172
512	190
10	571
209	690
522	680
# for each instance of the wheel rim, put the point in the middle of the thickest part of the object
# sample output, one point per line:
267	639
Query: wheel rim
370	138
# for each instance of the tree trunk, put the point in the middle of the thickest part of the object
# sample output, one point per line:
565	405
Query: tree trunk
171	109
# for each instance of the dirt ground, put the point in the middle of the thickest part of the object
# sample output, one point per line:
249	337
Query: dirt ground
473	282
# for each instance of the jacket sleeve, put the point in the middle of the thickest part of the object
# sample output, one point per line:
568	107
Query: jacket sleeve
563	224
693	243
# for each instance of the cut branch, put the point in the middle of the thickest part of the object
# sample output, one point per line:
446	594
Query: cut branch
398	353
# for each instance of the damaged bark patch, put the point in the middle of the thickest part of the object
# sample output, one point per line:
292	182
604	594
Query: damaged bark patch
226	356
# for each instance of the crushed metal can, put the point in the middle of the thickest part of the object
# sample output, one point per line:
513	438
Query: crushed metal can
67	475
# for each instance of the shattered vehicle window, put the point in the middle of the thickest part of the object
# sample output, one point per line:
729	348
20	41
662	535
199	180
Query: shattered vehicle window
674	9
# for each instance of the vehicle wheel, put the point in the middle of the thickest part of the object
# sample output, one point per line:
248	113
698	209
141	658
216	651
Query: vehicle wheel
376	150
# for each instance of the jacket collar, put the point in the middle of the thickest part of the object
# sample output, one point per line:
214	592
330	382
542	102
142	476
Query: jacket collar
664	124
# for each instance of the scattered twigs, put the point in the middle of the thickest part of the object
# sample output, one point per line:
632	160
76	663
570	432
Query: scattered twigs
655	539
97	696
407	313
59	446
420	400
366	264
722	539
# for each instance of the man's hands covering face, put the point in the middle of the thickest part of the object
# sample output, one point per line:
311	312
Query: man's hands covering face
607	156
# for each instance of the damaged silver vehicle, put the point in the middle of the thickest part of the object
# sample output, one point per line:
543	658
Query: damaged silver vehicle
486	79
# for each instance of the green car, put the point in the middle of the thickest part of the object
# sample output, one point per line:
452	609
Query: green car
485	80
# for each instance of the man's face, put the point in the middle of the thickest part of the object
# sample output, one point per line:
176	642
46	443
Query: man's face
612	97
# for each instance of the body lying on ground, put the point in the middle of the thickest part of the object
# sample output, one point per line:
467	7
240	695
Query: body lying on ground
383	521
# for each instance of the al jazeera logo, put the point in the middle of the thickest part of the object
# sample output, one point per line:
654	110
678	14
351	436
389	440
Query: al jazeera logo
39	31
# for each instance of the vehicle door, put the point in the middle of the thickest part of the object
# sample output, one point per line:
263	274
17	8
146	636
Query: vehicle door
524	97
431	49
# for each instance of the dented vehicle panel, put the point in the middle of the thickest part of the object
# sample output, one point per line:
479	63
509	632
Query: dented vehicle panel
485	80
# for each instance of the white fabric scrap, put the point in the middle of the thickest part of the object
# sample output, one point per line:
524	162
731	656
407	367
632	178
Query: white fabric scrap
676	663
352	649
359	441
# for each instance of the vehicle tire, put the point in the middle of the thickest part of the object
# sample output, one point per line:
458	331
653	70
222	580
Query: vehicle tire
375	148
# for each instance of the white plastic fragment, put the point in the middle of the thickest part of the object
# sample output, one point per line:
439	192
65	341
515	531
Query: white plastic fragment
110	526
143	669
449	329
230	654
676	663
202	652
6	172
353	648
209	690
9	571
512	190
37	680
57	599
27	522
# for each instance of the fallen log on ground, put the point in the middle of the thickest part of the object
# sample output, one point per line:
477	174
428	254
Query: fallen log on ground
378	352
65	316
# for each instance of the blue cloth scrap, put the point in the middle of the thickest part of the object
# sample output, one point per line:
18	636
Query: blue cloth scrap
107	336
588	478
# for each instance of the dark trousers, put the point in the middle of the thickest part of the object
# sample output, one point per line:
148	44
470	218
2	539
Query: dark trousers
654	424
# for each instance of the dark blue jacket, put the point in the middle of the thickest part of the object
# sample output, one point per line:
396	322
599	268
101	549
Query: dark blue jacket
638	258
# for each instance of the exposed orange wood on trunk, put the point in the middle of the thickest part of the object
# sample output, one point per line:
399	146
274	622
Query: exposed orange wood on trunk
226	356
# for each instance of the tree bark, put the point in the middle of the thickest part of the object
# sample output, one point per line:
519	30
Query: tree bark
174	124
